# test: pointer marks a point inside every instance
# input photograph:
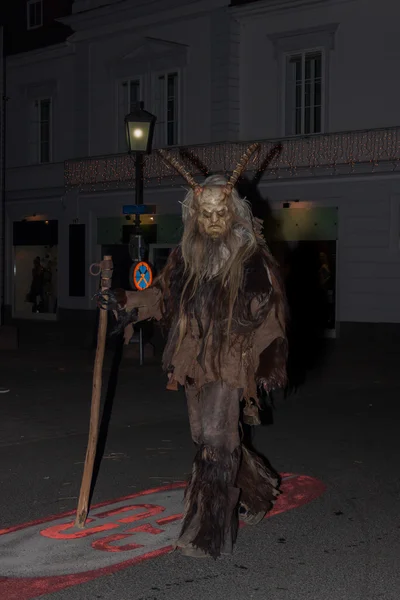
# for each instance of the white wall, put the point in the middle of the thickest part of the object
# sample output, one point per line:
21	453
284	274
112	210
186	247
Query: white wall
83	74
107	69
368	245
87	208
32	75
364	90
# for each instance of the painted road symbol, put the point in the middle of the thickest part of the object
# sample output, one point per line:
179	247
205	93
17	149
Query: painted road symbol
49	555
142	276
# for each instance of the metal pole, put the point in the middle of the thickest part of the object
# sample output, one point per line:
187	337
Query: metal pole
138	186
141	353
139	177
3	180
139	163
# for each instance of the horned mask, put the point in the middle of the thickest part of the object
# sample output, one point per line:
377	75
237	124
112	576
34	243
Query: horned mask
212	201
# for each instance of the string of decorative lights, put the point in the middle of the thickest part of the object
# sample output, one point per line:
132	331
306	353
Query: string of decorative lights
309	155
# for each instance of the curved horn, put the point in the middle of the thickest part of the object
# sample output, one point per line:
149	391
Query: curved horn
240	167
195	160
273	153
167	157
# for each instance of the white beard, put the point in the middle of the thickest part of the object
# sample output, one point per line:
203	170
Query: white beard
219	260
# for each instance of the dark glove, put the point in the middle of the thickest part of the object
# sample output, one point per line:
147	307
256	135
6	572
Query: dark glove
111	299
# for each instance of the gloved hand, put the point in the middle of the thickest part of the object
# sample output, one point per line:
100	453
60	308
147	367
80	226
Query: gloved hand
111	299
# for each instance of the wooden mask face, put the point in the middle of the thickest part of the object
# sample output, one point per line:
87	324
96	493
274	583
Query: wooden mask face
214	211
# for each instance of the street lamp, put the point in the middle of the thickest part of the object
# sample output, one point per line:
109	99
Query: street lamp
139	126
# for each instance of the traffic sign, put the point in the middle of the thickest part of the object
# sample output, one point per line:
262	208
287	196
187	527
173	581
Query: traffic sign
137	209
142	275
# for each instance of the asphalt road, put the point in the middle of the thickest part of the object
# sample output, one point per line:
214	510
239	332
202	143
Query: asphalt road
341	428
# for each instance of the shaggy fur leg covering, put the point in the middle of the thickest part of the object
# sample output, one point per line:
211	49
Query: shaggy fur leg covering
209	505
232	521
259	483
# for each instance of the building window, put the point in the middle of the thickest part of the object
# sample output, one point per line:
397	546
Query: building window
133	94
43	111
304	93
166	95
34	14
160	94
129	95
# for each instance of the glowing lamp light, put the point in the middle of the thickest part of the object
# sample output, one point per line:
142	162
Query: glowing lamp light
139	126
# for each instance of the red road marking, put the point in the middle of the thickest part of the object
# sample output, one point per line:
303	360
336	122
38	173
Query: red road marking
163	488
56	532
105	543
297	491
151	510
34	587
170	519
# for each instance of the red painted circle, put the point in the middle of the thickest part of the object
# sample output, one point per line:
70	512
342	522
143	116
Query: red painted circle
118	534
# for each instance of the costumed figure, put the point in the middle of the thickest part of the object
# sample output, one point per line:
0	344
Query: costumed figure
221	299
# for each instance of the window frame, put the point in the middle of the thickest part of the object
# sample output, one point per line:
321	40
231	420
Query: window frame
286	57
128	81
121	144
296	41
148	88
153	87
29	4
38	106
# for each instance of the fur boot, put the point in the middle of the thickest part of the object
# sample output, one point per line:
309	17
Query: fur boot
259	486
232	520
209	500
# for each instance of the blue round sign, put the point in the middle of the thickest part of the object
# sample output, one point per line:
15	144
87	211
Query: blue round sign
142	276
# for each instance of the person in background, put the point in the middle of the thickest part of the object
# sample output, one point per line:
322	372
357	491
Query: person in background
36	292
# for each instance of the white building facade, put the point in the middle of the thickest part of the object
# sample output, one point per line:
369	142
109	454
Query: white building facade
304	76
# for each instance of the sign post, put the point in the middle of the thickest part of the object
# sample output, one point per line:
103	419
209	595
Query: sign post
141	273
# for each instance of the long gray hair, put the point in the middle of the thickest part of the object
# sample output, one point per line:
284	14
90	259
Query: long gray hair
201	254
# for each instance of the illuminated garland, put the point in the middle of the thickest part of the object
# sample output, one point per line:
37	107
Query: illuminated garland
311	155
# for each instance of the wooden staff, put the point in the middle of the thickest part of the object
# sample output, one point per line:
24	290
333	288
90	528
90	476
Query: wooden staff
106	269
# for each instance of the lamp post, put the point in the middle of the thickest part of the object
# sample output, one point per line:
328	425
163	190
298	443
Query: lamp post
139	126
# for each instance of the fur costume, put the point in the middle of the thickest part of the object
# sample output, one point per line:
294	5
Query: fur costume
221	301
